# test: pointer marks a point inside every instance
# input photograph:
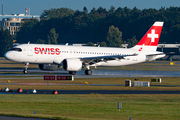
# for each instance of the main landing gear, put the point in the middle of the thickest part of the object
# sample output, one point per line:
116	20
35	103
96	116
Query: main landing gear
25	70
72	72
88	72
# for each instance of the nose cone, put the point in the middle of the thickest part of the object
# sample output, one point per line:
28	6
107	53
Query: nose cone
7	55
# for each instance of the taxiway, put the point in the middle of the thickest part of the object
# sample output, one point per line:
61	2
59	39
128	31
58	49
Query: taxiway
100	73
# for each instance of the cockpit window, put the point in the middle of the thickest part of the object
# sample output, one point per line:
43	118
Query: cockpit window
16	49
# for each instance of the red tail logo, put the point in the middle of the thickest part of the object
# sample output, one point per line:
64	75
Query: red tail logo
153	35
151	38
140	49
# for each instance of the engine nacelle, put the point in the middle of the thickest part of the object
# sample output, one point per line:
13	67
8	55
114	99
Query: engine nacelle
48	67
72	64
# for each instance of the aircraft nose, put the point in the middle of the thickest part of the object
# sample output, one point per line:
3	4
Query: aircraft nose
7	55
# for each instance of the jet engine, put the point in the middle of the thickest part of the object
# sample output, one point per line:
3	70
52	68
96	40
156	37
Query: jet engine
72	64
48	67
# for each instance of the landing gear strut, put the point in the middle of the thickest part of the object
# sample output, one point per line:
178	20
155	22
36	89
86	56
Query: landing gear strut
88	72
72	72
25	70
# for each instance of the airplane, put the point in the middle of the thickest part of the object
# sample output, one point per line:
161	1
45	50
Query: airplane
74	58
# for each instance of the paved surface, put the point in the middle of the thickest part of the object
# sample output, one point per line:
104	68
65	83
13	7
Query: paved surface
37	76
18	118
92	92
97	73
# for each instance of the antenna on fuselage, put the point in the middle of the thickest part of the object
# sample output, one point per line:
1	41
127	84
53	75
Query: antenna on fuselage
29	42
67	44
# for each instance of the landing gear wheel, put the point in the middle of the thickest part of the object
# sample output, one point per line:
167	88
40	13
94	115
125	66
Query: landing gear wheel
88	72
72	72
26	67
25	71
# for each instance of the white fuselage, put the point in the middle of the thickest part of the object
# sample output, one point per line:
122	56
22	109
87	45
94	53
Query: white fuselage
74	58
55	54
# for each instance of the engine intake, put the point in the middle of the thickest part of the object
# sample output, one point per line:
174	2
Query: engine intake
72	65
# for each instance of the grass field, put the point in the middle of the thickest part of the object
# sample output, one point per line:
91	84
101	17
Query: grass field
93	106
83	86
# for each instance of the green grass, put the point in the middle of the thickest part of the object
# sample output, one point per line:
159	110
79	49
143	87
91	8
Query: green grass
116	81
93	106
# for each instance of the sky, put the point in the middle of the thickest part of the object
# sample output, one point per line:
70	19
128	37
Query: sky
38	6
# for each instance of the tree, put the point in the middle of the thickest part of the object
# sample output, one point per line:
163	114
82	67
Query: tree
90	44
56	13
112	10
27	32
93	11
40	41
114	37
103	44
102	11
78	27
132	42
85	10
53	36
6	41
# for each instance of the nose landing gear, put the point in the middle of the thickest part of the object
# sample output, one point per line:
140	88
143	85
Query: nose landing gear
25	70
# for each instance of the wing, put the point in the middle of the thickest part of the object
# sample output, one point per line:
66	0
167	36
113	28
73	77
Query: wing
96	59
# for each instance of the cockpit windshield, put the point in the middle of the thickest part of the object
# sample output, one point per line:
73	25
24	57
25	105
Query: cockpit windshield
16	49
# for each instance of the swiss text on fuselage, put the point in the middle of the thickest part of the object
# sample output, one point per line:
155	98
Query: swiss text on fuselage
52	51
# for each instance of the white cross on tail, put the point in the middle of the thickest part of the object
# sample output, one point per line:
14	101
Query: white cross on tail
152	35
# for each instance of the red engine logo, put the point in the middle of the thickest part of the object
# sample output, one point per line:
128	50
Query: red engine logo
51	51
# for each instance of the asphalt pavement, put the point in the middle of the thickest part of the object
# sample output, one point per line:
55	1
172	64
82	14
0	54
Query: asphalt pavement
18	118
91	92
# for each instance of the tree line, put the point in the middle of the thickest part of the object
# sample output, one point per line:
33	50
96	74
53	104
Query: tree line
99	25
6	41
105	27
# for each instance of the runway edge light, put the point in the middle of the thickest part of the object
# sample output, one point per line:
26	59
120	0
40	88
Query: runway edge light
171	63
86	83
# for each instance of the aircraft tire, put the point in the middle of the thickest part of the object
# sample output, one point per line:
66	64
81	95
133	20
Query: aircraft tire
25	71
88	72
72	72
